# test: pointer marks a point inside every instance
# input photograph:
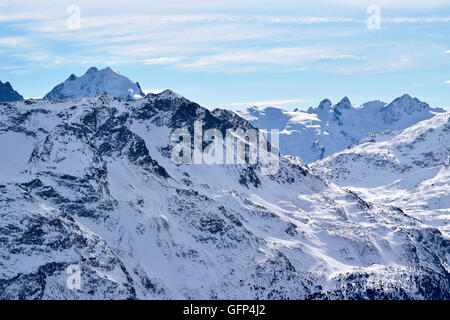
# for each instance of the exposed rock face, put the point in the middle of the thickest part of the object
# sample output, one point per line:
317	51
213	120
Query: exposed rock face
329	128
8	94
90	182
409	169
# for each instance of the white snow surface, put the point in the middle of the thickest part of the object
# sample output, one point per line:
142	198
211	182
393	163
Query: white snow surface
95	81
92	184
409	169
327	129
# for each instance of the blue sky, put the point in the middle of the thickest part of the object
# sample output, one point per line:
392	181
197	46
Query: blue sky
235	53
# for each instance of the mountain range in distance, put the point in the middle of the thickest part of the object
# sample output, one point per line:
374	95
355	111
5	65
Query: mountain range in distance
310	135
319	132
90	182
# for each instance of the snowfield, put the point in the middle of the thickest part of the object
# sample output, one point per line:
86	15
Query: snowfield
90	182
95	81
410	169
320	132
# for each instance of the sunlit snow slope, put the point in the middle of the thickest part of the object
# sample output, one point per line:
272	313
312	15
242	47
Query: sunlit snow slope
409	169
95	81
90	182
327	129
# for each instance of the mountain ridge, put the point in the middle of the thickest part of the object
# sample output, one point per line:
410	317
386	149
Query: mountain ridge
93	177
95	81
408	168
8	94
327	129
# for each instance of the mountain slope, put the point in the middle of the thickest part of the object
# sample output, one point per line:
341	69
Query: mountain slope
8	94
96	188
95	81
329	128
409	169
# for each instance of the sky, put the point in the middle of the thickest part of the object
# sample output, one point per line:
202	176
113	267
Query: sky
235	54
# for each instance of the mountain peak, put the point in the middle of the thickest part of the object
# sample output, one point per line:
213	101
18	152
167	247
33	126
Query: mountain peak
166	94
404	105
93	82
72	77
344	103
325	104
406	96
92	70
8	94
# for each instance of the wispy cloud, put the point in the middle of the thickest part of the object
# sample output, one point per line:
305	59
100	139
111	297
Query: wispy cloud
265	103
147	91
416	19
15	42
162	60
57	24
447	82
24	17
278	56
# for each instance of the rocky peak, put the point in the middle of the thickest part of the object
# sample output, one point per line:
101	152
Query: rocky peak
324	104
8	94
93	82
344	103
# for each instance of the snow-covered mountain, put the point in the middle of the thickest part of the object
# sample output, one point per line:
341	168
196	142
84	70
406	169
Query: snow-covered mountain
327	129
95	81
8	94
410	169
90	182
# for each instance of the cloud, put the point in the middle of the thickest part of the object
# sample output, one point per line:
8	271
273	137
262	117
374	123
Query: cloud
447	82
265	103
14	42
24	16
155	91
292	56
416	19
163	60
388	3
228	43
447	51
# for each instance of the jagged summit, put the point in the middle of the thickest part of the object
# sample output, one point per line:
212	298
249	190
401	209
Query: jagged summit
407	168
95	81
328	128
93	185
324	104
8	94
408	103
344	103
166	94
